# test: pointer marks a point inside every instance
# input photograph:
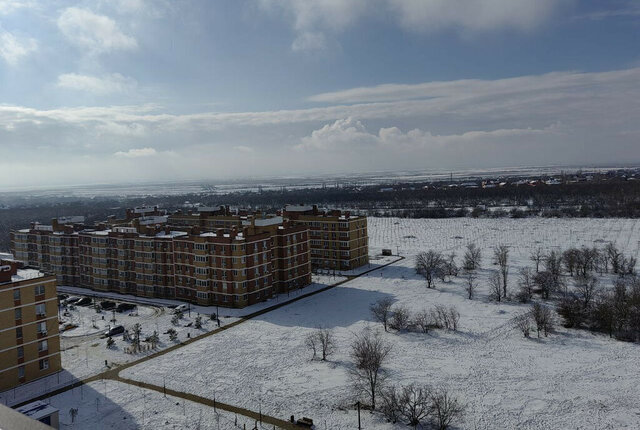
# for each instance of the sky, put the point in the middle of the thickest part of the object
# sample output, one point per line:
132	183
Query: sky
112	91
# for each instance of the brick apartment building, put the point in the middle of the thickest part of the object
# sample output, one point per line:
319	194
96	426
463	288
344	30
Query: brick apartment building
214	256
248	261
339	239
29	340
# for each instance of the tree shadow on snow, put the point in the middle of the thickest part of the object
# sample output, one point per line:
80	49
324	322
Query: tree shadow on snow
339	307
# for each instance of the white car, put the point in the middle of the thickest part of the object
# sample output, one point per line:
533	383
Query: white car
180	308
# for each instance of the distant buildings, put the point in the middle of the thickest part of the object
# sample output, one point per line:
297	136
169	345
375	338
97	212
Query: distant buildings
29	341
210	257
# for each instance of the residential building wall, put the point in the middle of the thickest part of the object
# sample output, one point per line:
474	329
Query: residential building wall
339	240
29	340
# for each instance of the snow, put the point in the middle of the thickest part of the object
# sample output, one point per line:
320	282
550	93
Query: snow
572	379
110	404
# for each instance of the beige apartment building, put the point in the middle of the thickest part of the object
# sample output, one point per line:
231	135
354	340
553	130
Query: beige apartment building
29	341
339	239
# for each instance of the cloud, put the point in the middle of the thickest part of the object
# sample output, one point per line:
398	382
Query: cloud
342	134
473	15
114	83
14	49
309	41
97	33
9	6
312	20
556	118
245	149
137	153
632	9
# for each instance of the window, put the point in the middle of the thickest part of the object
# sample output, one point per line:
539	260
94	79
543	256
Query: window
20	351
18	332
18	314
16	294
43	346
40	309
44	364
39	290
21	372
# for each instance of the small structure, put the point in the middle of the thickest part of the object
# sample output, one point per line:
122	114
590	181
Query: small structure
386	251
305	422
43	412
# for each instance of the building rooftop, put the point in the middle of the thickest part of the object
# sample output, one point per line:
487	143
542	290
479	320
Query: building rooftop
37	410
24	274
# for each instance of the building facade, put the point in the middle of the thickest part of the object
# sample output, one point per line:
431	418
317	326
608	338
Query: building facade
339	240
241	262
29	340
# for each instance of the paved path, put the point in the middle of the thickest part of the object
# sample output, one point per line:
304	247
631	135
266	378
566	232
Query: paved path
114	373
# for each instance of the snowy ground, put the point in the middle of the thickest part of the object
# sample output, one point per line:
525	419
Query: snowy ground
84	351
113	405
573	379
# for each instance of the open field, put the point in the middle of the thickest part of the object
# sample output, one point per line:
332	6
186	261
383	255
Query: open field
573	379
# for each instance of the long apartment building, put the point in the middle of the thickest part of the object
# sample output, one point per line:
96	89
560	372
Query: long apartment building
29	340
242	264
339	239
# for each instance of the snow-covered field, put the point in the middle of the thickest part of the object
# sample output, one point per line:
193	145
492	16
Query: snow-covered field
114	405
572	379
84	351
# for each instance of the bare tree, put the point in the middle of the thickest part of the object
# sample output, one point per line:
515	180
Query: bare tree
586	289
430	265
525	281
543	318
495	286
400	319
423	321
537	255
501	255
390	404
327	344
614	256
137	330
545	281
415	404
472	257
445	408
523	323
369	353
311	341
451	268
446	317
381	311
470	284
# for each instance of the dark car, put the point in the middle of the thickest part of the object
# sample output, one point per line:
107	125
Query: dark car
125	307
85	301
107	305
114	331
62	297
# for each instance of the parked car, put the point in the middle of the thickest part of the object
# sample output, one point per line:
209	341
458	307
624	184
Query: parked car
125	307
107	305
180	308
85	301
113	331
62	297
71	300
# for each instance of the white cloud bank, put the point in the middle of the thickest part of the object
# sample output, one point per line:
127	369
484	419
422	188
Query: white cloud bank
113	83
556	118
97	33
310	20
137	153
13	48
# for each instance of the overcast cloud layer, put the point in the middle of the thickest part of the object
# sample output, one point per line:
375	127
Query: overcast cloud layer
124	91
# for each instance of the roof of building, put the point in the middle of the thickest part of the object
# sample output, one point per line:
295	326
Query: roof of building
37	410
24	274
